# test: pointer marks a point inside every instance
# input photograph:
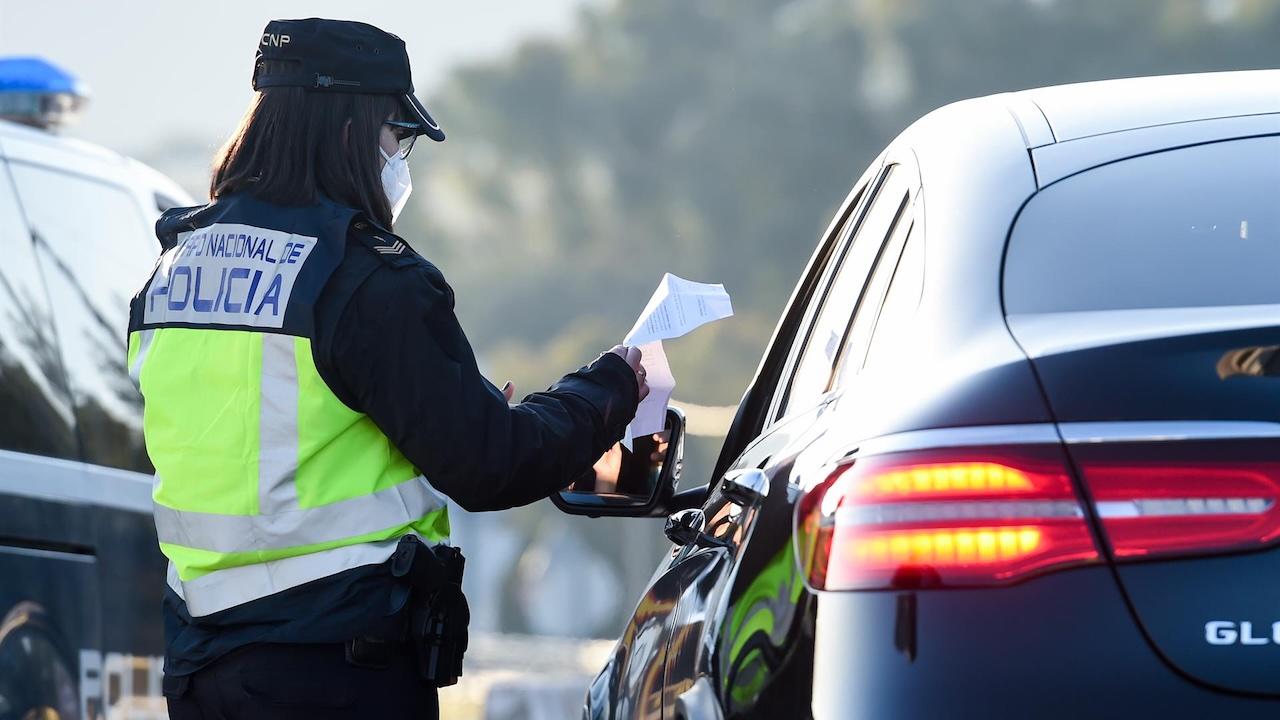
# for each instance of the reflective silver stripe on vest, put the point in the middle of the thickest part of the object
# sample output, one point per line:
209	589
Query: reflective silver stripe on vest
278	426
144	344
393	507
223	589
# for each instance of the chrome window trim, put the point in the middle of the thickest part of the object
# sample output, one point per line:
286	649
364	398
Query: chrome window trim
1021	434
1084	433
1070	433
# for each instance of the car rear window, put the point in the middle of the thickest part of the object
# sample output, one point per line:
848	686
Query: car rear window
1192	227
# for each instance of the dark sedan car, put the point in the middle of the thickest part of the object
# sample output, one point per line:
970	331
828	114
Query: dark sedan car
1014	448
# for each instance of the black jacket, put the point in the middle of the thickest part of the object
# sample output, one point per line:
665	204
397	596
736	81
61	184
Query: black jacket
389	345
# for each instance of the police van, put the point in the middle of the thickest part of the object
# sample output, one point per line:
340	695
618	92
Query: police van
81	575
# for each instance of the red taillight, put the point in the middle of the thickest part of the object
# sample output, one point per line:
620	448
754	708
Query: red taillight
955	517
1173	498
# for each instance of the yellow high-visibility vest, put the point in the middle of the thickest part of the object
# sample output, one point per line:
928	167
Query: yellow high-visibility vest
265	479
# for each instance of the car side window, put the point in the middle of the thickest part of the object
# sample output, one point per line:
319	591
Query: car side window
760	402
95	251
869	308
36	416
816	365
900	303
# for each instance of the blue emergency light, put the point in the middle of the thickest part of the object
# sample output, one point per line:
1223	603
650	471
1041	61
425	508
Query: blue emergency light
35	92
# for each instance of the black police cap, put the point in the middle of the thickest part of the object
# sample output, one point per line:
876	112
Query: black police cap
340	56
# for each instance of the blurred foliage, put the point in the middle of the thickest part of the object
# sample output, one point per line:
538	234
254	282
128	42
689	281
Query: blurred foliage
714	138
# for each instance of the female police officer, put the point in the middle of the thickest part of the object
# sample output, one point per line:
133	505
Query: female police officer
310	401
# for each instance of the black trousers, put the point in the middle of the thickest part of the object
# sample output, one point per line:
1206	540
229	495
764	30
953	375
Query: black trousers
300	681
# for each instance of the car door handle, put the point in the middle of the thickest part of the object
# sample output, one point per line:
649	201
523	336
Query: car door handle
687	527
684	527
745	488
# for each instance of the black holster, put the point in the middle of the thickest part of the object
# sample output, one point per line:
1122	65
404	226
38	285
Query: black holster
437	614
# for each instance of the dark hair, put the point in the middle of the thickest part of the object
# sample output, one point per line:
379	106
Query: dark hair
292	144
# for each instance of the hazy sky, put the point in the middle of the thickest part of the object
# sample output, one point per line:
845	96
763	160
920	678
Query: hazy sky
163	69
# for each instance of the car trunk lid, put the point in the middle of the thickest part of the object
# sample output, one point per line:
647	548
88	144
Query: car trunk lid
1174	432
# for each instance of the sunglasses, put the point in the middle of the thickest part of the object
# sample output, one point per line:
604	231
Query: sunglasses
406	134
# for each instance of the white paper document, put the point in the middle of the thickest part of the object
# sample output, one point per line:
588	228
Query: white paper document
676	307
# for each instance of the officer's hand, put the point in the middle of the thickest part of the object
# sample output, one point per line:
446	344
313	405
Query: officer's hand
632	355
509	390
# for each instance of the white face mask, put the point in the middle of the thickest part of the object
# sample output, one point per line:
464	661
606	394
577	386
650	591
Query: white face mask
396	182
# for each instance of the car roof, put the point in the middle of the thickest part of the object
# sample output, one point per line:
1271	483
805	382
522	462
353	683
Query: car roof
25	144
16	134
1086	109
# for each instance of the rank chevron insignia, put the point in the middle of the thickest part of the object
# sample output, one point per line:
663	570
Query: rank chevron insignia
393	249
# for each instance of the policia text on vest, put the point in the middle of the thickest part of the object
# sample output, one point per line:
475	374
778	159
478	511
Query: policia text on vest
217	275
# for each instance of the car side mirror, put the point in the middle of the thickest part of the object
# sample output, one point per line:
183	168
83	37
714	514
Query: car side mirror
639	482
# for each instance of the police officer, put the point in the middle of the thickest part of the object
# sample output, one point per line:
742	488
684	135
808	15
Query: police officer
311	402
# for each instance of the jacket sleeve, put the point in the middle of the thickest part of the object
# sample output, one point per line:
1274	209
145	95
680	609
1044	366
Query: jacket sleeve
403	360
